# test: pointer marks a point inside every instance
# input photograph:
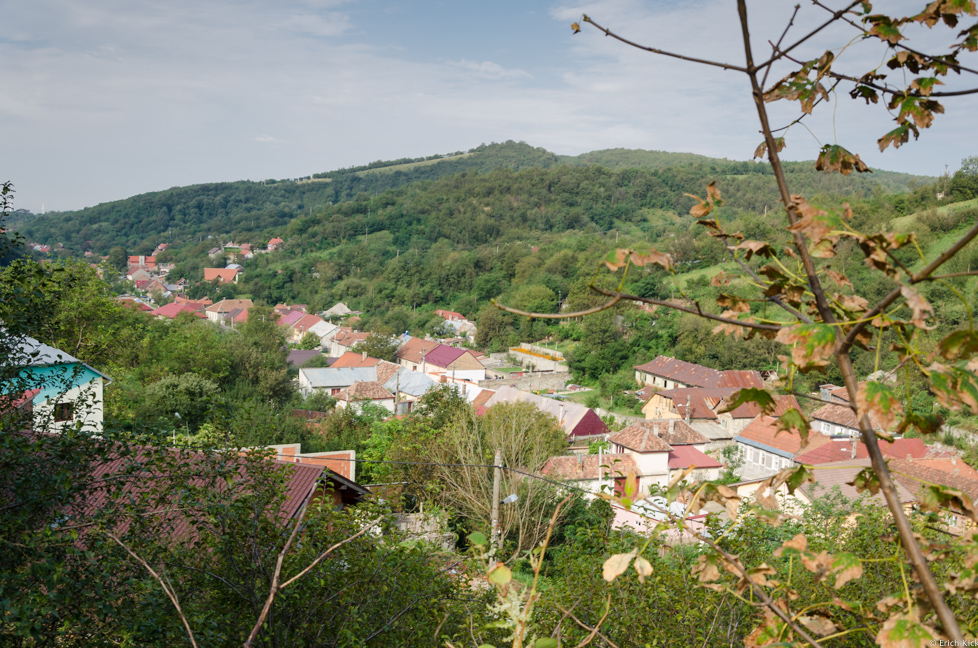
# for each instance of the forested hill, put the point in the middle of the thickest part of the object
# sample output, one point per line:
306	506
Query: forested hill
250	211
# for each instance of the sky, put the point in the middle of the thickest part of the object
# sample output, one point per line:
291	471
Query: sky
104	99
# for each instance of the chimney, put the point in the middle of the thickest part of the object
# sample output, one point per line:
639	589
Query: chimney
688	408
854	445
560	415
364	358
655	429
672	426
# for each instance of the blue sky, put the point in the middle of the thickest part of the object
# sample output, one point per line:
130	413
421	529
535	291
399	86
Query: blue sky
104	99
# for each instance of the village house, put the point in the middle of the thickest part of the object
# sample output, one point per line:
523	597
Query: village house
145	262
338	310
837	418
361	393
222	311
343	340
454	363
303	325
171	310
597	473
222	275
578	421
763	446
413	352
64	392
275	244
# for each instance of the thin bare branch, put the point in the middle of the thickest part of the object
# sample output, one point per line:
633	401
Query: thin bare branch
323	555
923	275
774	57
608	32
619	296
776	46
595	632
953	66
971	273
590	311
169	592
274	588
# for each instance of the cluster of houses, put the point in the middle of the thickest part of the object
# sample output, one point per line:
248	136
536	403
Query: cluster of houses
151	277
235	251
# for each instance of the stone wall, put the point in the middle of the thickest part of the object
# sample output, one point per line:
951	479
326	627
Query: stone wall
531	382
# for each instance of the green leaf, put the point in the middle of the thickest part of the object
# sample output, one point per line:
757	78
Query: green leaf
751	395
812	345
478	539
793	421
797	477
866	480
925	423
546	642
959	345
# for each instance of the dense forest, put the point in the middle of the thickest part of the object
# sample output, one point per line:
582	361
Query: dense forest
255	210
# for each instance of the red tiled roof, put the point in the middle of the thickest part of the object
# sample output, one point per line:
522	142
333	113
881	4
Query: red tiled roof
683	457
589	467
672	431
411	350
449	315
302	480
782	404
365	390
898	449
306	322
479	402
348	338
290	318
764	430
703	401
171	310
740	379
840	475
351	359
221	275
386	370
680	371
639	439
228	305
909	473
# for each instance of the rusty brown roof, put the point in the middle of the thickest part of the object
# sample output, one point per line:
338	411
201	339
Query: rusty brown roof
675	432
588	467
839	475
914	474
703	401
411	350
365	390
763	430
641	438
681	371
782	404
740	379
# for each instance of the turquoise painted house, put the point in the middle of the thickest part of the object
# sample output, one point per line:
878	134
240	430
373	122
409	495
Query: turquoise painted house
65	392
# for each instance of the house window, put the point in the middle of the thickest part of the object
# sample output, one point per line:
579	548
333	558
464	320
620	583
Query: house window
64	412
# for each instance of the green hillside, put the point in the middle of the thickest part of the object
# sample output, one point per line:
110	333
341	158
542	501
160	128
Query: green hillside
255	210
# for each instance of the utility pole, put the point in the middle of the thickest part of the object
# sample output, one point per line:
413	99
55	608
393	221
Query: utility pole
496	478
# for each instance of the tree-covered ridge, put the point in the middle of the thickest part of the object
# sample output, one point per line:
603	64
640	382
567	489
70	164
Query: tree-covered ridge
255	210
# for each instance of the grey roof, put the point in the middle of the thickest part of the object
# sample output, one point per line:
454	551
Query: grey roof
234	266
337	378
299	357
415	383
38	354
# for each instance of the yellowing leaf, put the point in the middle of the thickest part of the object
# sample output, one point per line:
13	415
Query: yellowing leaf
880	402
847	567
616	565
500	574
576	28
920	306
835	158
643	568
903	631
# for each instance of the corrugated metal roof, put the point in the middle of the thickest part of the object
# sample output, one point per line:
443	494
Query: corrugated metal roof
683	457
330	378
443	355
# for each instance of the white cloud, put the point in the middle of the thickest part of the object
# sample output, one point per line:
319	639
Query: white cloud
490	70
108	98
